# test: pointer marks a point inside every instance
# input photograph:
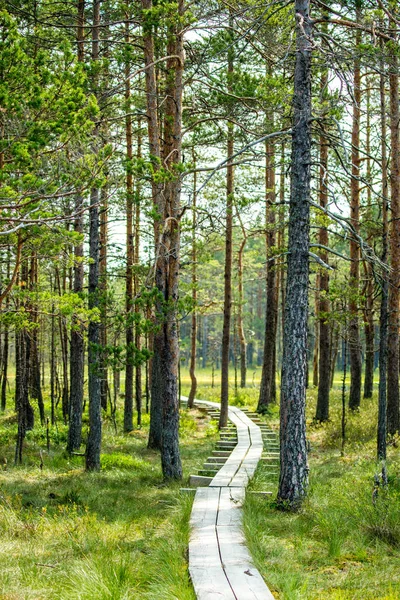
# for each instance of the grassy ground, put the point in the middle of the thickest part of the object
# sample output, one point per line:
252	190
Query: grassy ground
123	534
341	545
117	534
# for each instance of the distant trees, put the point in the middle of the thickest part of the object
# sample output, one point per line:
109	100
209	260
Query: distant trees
172	123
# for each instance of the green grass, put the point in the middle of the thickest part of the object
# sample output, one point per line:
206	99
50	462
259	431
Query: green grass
118	534
122	533
341	545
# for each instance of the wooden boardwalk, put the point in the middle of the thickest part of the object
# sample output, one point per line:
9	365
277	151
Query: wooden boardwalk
220	564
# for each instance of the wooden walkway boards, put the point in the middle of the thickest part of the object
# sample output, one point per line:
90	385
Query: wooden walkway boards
220	564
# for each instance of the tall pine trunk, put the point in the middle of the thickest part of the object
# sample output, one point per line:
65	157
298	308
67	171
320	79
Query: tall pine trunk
393	398
240	318
155	432
94	436
226	327
77	344
293	475
354	282
193	330
267	387
369	328
383	317
168	251
129	363
324	364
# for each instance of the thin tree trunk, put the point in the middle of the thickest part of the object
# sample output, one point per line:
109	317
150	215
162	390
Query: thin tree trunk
94	436
4	380
240	319
393	398
316	333
129	365
324	365
334	355
103	292
77	344
383	318
193	332
354	282
169	253
138	341
35	383
293	476
223	419
64	350
369	328
24	410
156	419
267	386
53	365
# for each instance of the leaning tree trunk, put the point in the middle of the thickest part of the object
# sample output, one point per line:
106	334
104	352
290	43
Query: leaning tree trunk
393	398
293	476
354	282
94	436
267	387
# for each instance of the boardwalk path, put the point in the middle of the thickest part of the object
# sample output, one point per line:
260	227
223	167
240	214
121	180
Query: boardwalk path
219	563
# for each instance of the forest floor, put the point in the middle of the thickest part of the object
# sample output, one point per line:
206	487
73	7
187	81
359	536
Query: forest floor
122	533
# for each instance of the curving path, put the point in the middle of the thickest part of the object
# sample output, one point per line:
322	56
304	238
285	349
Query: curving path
220	564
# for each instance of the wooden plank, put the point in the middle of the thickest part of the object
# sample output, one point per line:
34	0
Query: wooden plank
205	508
243	576
219	562
199	480
230	506
205	568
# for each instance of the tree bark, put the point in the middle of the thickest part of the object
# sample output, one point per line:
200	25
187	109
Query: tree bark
267	386
393	398
103	286
155	432
369	328
293	476
168	251
223	419
4	379
138	341
95	426
383	317
129	363
34	370
77	344
24	410
324	364
354	281
193	331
